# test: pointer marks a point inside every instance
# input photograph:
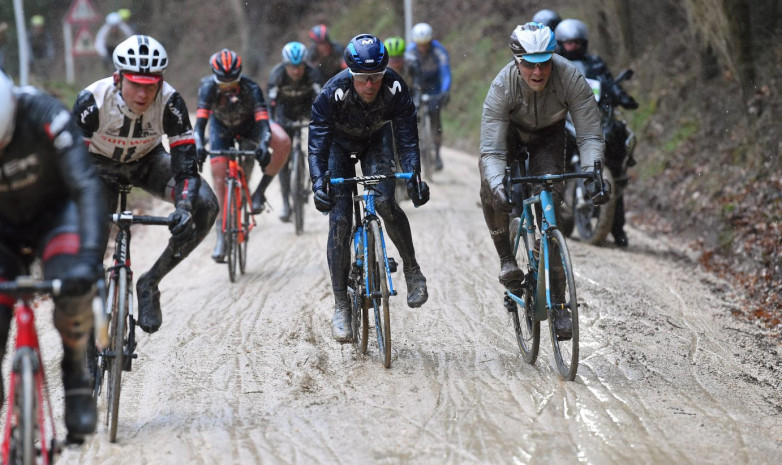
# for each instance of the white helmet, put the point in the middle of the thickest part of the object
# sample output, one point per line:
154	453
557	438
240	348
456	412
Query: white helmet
572	29
421	33
113	19
140	54
532	42
7	110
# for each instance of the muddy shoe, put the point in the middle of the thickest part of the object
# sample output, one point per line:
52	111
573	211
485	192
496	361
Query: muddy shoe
285	214
563	324
340	322
149	315
417	294
259	200
81	413
510	272
218	254
438	162
620	238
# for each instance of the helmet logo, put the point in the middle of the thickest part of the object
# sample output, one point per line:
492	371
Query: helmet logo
366	41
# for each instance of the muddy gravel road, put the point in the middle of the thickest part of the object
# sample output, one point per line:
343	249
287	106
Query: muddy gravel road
247	373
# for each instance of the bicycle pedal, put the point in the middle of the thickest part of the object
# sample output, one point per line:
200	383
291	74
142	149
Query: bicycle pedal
392	264
394	293
510	304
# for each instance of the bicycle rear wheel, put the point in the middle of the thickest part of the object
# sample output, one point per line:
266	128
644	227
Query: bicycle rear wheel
230	233
117	331
380	294
245	231
526	327
359	316
299	191
565	350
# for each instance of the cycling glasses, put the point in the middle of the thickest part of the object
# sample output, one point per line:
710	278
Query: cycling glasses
363	78
530	65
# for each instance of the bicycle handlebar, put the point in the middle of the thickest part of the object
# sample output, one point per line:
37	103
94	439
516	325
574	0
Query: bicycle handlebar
231	153
370	179
596	174
28	284
129	218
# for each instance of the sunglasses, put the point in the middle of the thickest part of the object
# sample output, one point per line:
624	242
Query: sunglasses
363	78
529	65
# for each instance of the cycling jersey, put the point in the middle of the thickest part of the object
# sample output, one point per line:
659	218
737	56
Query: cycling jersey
44	167
329	65
292	100
340	116
232	109
431	74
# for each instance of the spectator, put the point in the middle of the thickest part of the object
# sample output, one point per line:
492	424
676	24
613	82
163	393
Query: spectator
41	46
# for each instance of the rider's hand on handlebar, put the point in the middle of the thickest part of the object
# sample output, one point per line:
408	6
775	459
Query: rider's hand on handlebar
413	191
181	224
628	102
262	154
500	201
322	200
80	278
599	196
201	157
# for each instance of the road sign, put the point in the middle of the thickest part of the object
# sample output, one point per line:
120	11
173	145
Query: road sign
81	12
84	43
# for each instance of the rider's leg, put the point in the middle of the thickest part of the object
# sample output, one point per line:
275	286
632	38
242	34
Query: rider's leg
219	167
156	177
280	144
380	160
338	248
285	190
618	228
73	320
437	127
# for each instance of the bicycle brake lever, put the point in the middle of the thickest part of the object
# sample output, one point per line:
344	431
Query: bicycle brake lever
507	185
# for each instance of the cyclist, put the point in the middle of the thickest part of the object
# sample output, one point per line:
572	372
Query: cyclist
350	124
527	104
573	38
325	54
548	18
235	107
123	119
50	204
293	86
427	61
396	56
111	33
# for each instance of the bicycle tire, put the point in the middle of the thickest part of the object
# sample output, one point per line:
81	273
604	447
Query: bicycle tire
594	222
526	327
229	234
359	316
565	351
427	148
299	194
380	301
117	338
245	229
23	450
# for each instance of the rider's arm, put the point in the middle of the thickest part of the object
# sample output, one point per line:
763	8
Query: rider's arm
495	122
100	41
176	125
261	113
405	123
445	66
86	114
581	103
81	177
204	109
321	134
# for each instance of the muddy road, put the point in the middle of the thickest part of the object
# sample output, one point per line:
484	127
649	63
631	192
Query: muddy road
247	373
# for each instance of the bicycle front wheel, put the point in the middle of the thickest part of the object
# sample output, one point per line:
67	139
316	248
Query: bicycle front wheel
23	450
359	316
380	294
230	233
299	190
565	349
117	330
526	327
244	235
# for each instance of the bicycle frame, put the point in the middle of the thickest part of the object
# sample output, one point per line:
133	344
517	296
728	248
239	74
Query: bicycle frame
27	344
235	173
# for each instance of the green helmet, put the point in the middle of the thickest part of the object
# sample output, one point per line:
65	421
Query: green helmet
395	46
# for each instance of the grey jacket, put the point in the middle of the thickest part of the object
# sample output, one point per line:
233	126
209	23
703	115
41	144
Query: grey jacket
510	103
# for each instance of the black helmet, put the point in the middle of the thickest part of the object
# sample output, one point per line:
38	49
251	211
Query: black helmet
226	65
548	18
365	53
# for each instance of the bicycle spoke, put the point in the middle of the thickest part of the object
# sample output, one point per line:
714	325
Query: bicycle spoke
563	298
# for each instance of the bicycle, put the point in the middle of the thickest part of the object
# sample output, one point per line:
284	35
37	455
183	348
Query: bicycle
29	438
301	181
426	136
537	249
237	215
369	281
116	356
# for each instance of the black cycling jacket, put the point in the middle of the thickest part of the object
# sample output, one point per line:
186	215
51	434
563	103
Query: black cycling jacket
46	164
291	100
593	67
339	115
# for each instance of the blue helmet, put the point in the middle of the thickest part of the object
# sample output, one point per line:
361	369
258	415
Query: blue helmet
293	53
365	53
